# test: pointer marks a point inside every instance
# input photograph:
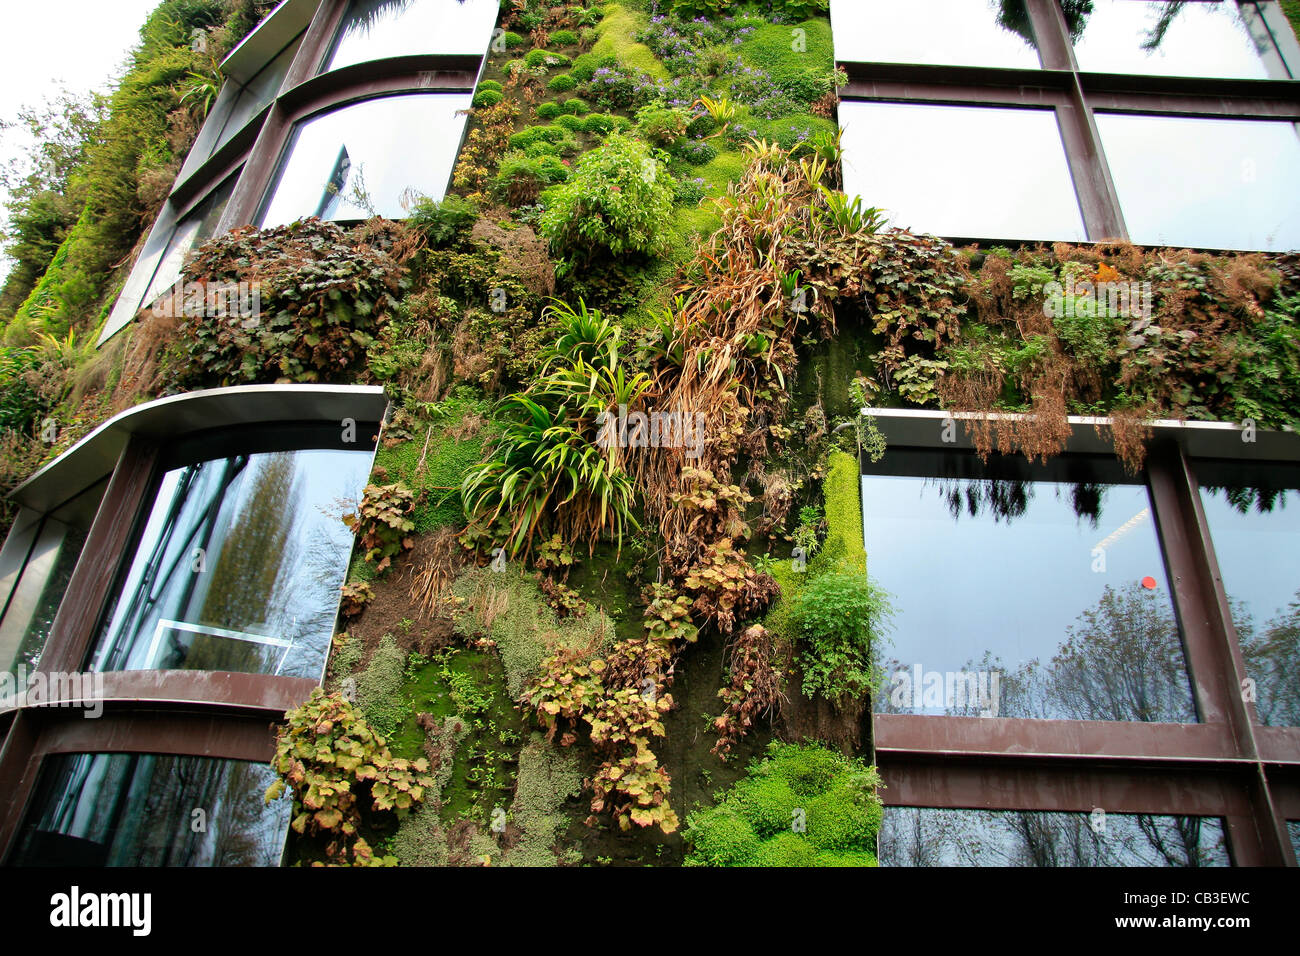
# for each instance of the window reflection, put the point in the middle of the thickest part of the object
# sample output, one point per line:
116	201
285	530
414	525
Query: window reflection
369	159
949	32
1205	183
138	810
1023	591
1209	39
1030	196
239	566
33	589
1254	521
912	836
375	29
190	233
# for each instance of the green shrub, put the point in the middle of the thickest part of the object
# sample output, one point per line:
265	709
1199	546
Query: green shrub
548	110
576	107
491	85
585	66
599	123
511	40
542	148
619	201
562	83
531	134
800	805
571	123
564	38
544	58
838	618
661	125
486	98
441	223
697	153
522	177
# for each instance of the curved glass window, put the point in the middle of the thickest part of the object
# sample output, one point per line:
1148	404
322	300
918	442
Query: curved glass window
192	231
238	566
945	32
35	567
1032	197
1254	516
1023	591
369	158
376	29
1205	183
913	836
139	810
1207	39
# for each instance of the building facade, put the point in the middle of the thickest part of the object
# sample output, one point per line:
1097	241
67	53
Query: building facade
1012	122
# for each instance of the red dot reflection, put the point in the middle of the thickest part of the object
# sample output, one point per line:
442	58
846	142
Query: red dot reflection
1149	583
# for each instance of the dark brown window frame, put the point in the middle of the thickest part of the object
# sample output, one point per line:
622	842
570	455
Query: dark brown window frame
1074	96
1228	765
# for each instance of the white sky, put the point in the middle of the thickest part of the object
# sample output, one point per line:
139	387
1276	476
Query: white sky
78	44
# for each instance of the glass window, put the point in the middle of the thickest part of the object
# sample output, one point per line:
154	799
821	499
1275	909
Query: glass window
1022	591
258	92
35	582
949	32
375	29
369	159
1253	512
1205	183
239	566
1009	165
1293	830
138	810
191	232
1207	39
912	836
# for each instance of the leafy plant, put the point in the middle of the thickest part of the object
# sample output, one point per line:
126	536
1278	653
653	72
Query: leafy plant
618	202
382	520
339	771
840	617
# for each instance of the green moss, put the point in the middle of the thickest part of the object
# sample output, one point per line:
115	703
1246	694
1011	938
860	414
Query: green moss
801	805
436	479
772	48
379	688
1292	10
617	37
547	111
726	168
507	607
844	545
576	107
562	83
791	130
486	98
548	776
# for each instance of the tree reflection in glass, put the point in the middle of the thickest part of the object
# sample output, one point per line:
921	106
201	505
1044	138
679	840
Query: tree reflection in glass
1253	513
1023	591
238	567
152	810
912	836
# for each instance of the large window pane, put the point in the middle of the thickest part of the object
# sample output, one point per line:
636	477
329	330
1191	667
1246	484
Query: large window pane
1013	180
1205	183
1176	39
239	566
374	29
912	836
1022	591
369	159
1254	518
949	32
138	810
